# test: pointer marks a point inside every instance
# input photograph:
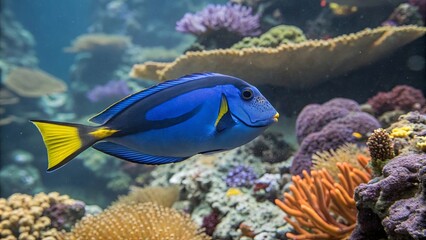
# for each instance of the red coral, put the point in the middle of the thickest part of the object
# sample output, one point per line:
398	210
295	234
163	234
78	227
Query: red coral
401	97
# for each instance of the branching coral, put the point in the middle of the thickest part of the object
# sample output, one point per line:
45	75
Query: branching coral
164	196
232	18
137	221
323	208
26	217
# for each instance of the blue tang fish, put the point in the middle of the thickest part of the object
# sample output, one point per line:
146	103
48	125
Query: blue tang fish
169	122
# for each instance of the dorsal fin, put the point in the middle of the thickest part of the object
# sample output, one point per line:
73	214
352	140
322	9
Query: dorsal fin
119	106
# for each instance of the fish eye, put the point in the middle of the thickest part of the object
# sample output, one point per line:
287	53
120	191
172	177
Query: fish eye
247	93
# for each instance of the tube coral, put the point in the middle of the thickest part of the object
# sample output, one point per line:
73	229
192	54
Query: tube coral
137	221
381	149
323	208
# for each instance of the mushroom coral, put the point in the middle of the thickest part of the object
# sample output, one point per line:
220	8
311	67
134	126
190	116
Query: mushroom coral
137	221
322	207
298	65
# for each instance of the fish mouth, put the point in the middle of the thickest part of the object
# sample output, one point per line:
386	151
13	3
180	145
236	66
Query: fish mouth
275	117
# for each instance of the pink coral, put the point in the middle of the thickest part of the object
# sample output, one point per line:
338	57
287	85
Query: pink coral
401	97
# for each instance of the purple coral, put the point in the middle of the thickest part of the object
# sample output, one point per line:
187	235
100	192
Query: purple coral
241	176
328	126
113	89
64	216
210	222
314	117
394	199
231	17
401	97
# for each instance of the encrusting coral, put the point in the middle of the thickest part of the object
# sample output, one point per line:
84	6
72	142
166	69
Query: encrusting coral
306	64
137	221
26	217
323	208
164	196
282	34
33	83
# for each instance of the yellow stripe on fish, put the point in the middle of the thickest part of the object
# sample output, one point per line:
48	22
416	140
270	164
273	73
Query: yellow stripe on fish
222	111
102	132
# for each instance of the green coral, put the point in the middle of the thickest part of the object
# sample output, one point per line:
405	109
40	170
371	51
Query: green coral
282	34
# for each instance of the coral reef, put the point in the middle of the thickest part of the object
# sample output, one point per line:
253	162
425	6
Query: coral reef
403	97
322	207
392	204
323	59
381	149
356	156
137	221
328	126
405	14
22	178
111	90
220	26
270	148
398	186
204	190
163	196
27	217
282	34
99	43
240	176
33	83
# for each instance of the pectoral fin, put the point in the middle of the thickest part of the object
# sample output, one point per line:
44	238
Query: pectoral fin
131	155
224	118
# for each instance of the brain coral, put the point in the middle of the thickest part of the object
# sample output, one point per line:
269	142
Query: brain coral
276	36
328	126
137	221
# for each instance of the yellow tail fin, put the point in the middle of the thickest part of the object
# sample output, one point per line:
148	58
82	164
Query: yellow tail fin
63	141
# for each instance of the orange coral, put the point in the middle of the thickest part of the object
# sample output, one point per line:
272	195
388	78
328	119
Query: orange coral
323	208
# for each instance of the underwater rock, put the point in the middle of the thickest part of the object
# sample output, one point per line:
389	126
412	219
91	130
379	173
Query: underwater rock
270	148
276	36
401	185
328	126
